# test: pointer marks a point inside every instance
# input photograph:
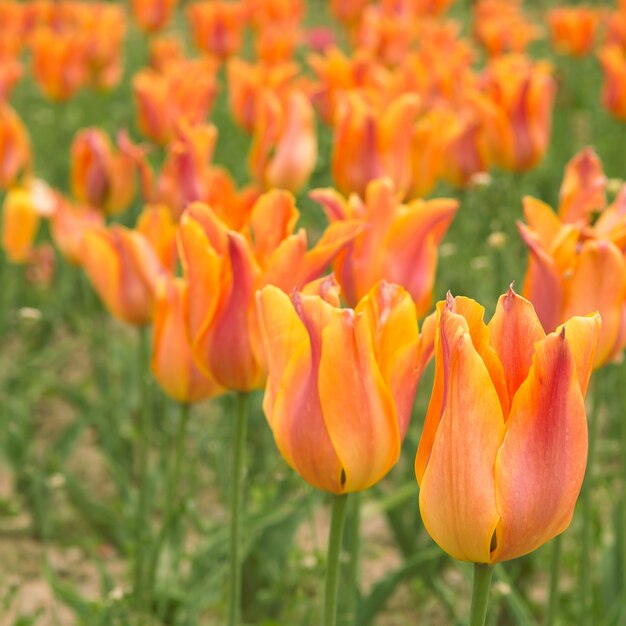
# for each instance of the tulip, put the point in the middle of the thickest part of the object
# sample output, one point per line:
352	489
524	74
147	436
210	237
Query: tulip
502	456
370	142
124	269
157	225
152	15
224	269
341	382
15	152
164	50
284	148
101	177
398	242
263	12
20	224
613	61
172	361
348	12
573	29
217	27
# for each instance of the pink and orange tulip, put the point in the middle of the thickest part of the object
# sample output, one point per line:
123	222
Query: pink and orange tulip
573	29
217	27
15	152
503	453
613	61
152	15
341	382
398	242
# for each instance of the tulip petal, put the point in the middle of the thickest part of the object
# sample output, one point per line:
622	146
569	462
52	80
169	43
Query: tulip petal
457	497
583	334
541	464
542	220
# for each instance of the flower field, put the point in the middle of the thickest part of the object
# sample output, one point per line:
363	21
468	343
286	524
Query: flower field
312	313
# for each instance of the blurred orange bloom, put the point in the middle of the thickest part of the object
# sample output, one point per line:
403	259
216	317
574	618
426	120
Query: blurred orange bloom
123	269
503	452
613	61
157	225
348	12
101	177
276	43
576	267
225	268
152	15
264	12
398	242
515	106
341	382
15	152
164	50
59	62
172	361
217	26
373	141
284	145
573	29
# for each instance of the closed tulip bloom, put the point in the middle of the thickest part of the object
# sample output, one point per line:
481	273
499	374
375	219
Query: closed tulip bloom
123	269
613	62
398	242
341	382
225	268
152	15
217	27
101	176
15	152
370	142
284	148
172	361
503	453
573	29
20	224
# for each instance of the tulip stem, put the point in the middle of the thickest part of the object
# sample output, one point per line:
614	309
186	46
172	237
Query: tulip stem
236	497
555	571
480	593
335	538
352	545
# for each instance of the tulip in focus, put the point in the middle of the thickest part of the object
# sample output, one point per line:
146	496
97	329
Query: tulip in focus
224	268
573	29
152	15
124	269
15	152
341	382
172	361
503	453
398	242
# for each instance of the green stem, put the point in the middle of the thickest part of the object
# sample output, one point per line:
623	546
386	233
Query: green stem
480	593
555	570
142	522
332	562
352	546
236	497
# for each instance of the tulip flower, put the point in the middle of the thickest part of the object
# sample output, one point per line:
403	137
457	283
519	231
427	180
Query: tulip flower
503	453
157	225
613	61
217	27
101	177
15	152
341	382
260	13
348	12
573	29
172	361
284	147
152	15
370	142
398	242
20	224
224	268
164	50
124	269
576	267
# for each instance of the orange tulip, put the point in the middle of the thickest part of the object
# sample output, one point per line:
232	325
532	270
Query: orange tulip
398	242
515	106
20	223
576	267
152	15
124	269
370	142
504	447
613	61
217	27
15	153
59	62
573	29
101	177
157	225
348	12
164	50
284	147
172	361
224	269
341	382
264	12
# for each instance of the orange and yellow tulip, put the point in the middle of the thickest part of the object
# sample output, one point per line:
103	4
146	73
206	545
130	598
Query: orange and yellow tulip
172	362
573	29
15	153
152	15
20	224
157	225
503	452
341	382
398	242
123	269
217	27
613	61
101	177
224	269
